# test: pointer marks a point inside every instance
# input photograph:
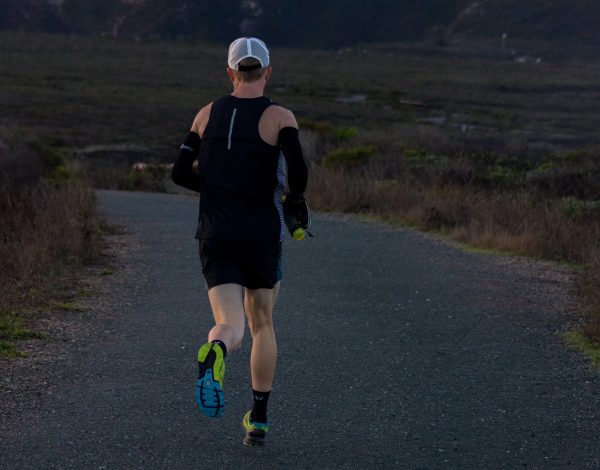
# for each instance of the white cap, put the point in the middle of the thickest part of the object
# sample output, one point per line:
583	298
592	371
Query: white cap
242	48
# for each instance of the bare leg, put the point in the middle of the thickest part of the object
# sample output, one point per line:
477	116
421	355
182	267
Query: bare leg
228	309
227	305
259	306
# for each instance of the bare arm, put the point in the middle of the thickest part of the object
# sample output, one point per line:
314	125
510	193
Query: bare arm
201	120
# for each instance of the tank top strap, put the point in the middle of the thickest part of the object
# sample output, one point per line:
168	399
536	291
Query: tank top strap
255	107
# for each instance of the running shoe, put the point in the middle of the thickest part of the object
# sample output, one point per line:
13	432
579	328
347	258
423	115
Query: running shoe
255	432
209	387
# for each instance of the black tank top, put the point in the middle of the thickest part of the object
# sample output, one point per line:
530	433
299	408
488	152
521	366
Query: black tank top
242	177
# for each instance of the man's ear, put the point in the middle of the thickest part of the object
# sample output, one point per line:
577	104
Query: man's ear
230	74
268	73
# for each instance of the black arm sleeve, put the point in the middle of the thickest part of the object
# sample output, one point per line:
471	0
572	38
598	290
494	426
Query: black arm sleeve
292	151
183	174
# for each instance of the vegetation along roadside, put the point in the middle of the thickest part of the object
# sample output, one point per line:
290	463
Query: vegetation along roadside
486	151
48	231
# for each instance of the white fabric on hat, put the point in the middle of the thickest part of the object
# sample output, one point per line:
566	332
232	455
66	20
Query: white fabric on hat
243	48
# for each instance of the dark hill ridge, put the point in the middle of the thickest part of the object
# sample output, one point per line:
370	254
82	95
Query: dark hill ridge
574	21
312	23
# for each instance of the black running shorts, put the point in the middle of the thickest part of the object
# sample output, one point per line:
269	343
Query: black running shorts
255	266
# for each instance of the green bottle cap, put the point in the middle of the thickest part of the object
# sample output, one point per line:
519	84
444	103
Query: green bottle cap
299	234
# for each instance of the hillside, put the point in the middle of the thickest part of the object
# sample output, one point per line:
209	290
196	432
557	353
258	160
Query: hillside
312	23
572	21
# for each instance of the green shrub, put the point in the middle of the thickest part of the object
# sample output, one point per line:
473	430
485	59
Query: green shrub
415	153
328	130
574	156
546	166
345	133
52	160
322	128
8	349
349	157
500	175
578	209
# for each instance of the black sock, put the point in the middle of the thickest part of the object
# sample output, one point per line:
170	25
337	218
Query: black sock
259	408
222	344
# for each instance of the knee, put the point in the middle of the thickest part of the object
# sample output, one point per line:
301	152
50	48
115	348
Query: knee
259	323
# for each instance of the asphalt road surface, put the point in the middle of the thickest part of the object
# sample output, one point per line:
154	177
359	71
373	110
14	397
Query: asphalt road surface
395	351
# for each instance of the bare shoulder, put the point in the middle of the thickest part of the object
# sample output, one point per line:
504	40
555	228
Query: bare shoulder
273	120
283	117
201	119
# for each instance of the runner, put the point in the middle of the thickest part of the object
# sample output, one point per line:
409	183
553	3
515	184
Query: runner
243	142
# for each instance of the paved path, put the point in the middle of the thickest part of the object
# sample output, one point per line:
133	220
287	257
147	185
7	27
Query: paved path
395	351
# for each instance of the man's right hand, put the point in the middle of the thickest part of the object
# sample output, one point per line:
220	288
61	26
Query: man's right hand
296	207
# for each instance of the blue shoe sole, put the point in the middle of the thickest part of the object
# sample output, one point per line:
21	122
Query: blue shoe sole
209	395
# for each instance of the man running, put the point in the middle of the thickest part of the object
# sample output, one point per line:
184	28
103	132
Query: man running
243	142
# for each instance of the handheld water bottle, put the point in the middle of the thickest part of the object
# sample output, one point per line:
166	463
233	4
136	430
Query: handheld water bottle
294	226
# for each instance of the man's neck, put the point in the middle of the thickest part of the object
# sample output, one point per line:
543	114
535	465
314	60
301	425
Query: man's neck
249	90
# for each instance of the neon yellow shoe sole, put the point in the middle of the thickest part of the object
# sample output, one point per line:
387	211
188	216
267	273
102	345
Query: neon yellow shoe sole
255	432
209	387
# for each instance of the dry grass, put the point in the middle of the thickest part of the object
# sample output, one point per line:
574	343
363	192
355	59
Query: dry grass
588	285
40	227
512	222
47	229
